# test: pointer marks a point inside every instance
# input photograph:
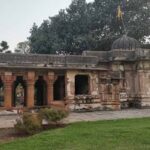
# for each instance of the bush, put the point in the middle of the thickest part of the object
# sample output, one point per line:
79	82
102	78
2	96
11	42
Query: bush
52	115
29	123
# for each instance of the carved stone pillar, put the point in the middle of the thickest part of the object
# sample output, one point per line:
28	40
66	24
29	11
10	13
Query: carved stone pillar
70	85
50	82
30	89
8	80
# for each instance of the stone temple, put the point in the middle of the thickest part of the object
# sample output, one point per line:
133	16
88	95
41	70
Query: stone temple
115	79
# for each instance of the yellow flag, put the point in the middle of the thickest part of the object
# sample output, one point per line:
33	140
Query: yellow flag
119	13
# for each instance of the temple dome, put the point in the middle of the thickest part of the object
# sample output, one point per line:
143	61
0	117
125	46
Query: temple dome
125	43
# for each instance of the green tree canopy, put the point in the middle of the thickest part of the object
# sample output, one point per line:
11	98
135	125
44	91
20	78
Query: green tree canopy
90	26
4	47
23	47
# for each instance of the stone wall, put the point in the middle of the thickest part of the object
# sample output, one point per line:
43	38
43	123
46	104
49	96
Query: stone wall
143	73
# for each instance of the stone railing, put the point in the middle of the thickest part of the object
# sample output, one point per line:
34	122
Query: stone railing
113	55
143	53
72	59
102	56
126	55
34	59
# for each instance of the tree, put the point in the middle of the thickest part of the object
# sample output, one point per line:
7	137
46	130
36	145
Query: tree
23	47
90	26
60	33
4	46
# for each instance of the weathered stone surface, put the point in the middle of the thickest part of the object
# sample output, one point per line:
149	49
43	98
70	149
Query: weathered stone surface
109	74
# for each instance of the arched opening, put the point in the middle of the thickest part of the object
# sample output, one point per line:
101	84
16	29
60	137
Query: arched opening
19	92
81	84
59	88
1	94
40	92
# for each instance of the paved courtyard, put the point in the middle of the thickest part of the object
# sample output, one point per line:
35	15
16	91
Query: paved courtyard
7	119
108	115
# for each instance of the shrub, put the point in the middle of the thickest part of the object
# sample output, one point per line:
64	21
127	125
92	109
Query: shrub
29	123
52	115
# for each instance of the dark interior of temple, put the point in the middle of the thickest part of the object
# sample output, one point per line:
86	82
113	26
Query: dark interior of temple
40	92
81	84
59	88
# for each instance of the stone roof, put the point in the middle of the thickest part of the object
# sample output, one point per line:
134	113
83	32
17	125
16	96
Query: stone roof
125	43
92	60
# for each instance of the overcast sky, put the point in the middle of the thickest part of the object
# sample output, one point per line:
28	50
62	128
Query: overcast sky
18	16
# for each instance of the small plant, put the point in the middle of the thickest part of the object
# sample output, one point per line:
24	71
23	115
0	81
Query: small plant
52	115
29	123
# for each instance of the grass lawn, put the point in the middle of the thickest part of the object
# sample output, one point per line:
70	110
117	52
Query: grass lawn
130	134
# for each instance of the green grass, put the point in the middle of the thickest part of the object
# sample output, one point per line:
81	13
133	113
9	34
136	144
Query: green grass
130	134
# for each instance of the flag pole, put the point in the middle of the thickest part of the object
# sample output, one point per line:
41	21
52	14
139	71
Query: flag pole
124	27
120	14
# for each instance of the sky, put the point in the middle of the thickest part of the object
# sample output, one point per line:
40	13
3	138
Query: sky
18	16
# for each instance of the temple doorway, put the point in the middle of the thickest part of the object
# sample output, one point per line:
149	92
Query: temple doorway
81	84
19	92
40	92
59	88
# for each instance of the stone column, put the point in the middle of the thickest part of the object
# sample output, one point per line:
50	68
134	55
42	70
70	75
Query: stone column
93	84
50	82
144	87
30	89
70	85
8	80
